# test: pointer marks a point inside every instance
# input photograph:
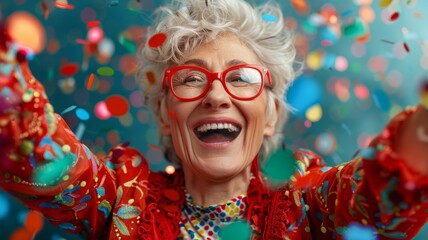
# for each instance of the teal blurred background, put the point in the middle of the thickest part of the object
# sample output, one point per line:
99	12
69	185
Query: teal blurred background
363	63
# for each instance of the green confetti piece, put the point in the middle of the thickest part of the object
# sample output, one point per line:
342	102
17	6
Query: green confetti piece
236	231
280	166
355	29
105	71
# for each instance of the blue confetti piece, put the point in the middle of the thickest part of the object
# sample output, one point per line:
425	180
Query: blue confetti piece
303	94
269	17
4	206
69	109
356	231
80	130
82	114
381	100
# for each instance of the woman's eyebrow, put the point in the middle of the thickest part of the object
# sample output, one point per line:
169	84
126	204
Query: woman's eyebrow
196	61
204	64
235	62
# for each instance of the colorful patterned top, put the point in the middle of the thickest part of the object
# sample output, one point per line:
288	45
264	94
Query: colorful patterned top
199	222
45	166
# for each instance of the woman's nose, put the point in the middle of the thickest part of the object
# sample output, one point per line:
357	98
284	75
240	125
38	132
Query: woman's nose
216	97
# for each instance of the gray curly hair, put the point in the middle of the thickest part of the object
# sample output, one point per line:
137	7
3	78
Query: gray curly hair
191	23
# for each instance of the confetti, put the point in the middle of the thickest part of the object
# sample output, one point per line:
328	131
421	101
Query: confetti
151	77
95	34
229	232
157	40
105	71
114	3
117	105
280	166
101	111
90	81
45	9
82	114
356	231
63	4
385	3
269	18
303	94
26	30
314	113
325	143
69	69
394	16
172	114
34	221
69	109
93	24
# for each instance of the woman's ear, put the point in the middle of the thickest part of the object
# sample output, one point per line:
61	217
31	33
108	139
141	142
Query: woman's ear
271	119
163	119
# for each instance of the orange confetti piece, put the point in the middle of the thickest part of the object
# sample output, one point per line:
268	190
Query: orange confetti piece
34	221
63	4
90	81
93	24
154	147
22	233
151	77
301	6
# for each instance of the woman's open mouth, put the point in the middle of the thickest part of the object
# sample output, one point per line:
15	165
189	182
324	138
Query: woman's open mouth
217	132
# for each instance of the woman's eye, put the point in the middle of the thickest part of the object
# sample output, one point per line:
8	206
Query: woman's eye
193	79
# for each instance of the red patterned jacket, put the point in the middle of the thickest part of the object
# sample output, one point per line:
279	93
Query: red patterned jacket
44	165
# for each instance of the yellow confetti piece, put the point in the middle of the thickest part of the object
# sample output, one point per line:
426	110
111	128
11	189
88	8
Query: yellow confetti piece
314	113
385	3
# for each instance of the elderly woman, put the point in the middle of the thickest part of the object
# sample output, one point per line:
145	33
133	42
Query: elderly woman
218	87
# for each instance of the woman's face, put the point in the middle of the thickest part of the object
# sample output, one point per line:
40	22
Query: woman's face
219	155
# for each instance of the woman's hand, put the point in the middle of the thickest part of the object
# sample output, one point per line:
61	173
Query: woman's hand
411	141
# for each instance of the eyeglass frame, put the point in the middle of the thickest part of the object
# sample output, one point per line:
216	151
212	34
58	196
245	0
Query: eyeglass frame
212	76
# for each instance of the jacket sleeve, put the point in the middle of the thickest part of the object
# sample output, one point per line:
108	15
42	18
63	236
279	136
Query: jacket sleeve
376	193
42	163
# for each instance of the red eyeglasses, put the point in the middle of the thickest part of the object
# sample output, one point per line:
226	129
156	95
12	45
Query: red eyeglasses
242	82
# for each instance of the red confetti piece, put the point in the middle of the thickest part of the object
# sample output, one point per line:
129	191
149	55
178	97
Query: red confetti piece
90	81
406	47
63	5
93	24
157	40
394	16
69	69
117	105
45	9
172	114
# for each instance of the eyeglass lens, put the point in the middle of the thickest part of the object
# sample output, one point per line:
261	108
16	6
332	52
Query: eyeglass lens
241	82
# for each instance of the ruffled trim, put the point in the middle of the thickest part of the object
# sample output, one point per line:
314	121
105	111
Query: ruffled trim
163	207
